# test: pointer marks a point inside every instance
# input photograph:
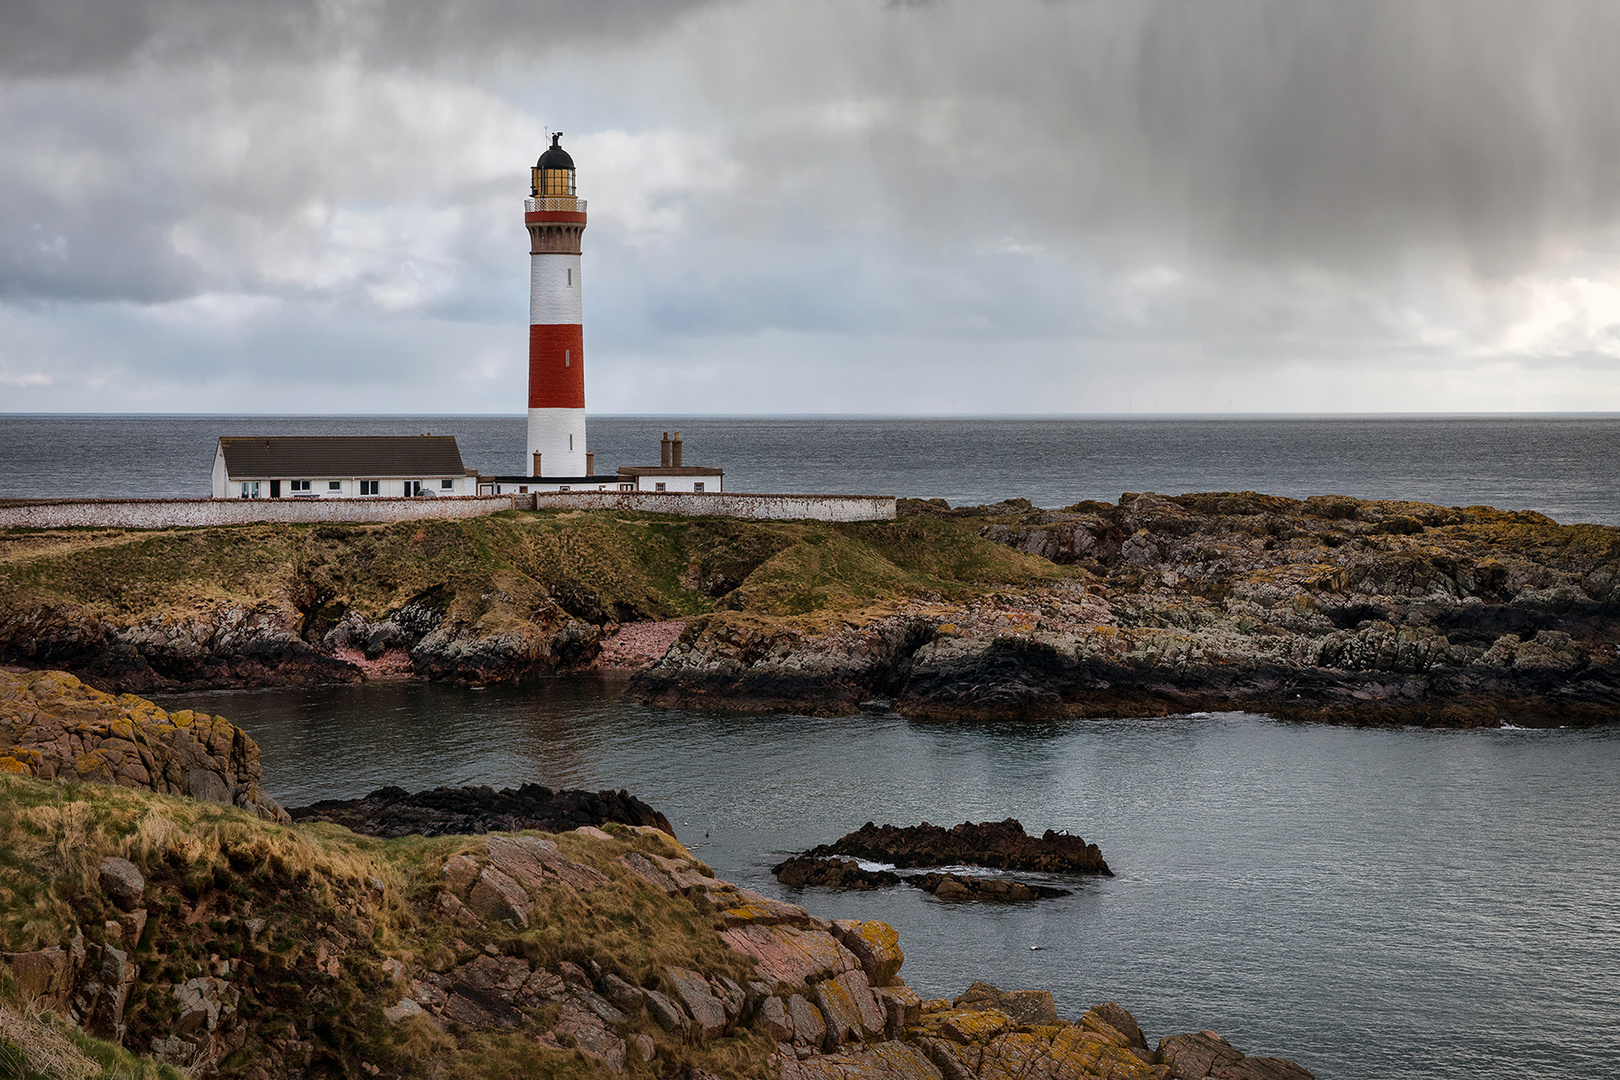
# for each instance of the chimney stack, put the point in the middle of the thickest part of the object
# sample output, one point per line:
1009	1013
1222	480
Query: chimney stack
664	451
675	451
590	463
536	463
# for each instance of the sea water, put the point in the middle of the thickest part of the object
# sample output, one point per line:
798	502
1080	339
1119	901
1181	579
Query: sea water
1373	903
1562	466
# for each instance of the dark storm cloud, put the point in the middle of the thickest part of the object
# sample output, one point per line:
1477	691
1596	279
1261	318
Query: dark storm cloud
1344	134
55	37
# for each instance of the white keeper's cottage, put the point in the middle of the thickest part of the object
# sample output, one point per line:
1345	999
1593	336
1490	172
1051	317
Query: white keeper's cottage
339	467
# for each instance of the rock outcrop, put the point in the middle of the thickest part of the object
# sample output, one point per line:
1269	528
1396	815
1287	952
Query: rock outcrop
1328	608
393	811
803	871
243	947
230	645
1001	845
54	727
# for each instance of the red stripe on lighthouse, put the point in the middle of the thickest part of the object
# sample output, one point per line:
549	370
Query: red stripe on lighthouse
557	366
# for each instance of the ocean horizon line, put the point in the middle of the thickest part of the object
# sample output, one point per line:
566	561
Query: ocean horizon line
1410	415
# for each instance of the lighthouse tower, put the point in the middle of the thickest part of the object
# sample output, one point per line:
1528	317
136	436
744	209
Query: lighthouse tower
556	219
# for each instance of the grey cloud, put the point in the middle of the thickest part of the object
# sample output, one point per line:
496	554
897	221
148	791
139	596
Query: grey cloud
55	37
88	201
912	181
1264	130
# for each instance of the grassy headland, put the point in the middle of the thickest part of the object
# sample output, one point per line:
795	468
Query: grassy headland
1326	608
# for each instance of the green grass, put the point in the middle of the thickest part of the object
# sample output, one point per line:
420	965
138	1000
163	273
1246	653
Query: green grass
507	570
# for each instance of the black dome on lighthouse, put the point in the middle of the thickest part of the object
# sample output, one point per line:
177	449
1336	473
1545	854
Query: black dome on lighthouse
555	156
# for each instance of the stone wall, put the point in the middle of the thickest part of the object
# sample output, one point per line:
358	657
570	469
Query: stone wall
726	504
179	513
182	513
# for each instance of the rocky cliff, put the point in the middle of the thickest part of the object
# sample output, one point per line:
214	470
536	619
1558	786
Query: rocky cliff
1325	608
211	940
499	599
54	727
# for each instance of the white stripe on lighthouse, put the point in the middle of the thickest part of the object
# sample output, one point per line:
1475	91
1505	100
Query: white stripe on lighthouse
554	290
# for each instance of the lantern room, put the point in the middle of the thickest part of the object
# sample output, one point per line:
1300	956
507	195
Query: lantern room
554	172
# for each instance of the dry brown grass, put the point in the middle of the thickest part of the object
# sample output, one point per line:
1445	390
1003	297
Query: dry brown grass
54	836
212	867
36	1046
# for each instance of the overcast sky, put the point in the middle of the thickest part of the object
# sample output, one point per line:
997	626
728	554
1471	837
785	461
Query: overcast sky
842	206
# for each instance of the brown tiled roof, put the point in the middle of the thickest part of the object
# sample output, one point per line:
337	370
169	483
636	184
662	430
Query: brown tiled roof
362	456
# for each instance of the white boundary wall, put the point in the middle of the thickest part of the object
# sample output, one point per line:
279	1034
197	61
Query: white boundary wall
187	513
725	504
181	513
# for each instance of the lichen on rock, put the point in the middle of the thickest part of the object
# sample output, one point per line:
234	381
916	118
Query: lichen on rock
54	727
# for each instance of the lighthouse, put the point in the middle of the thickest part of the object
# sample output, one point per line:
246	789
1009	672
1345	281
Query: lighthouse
555	217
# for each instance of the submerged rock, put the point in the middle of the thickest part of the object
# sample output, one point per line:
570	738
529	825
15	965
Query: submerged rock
962	887
997	844
393	811
803	871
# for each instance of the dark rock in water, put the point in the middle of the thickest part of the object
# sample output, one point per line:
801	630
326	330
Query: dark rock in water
393	811
959	887
801	871
1002	845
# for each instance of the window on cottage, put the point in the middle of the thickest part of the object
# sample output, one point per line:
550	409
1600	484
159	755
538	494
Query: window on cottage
300	487
523	489
698	486
334	485
446	485
250	489
564	487
570	277
658	486
370	487
627	487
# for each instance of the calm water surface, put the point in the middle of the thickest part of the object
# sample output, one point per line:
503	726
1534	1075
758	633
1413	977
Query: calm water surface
1373	903
1562	466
